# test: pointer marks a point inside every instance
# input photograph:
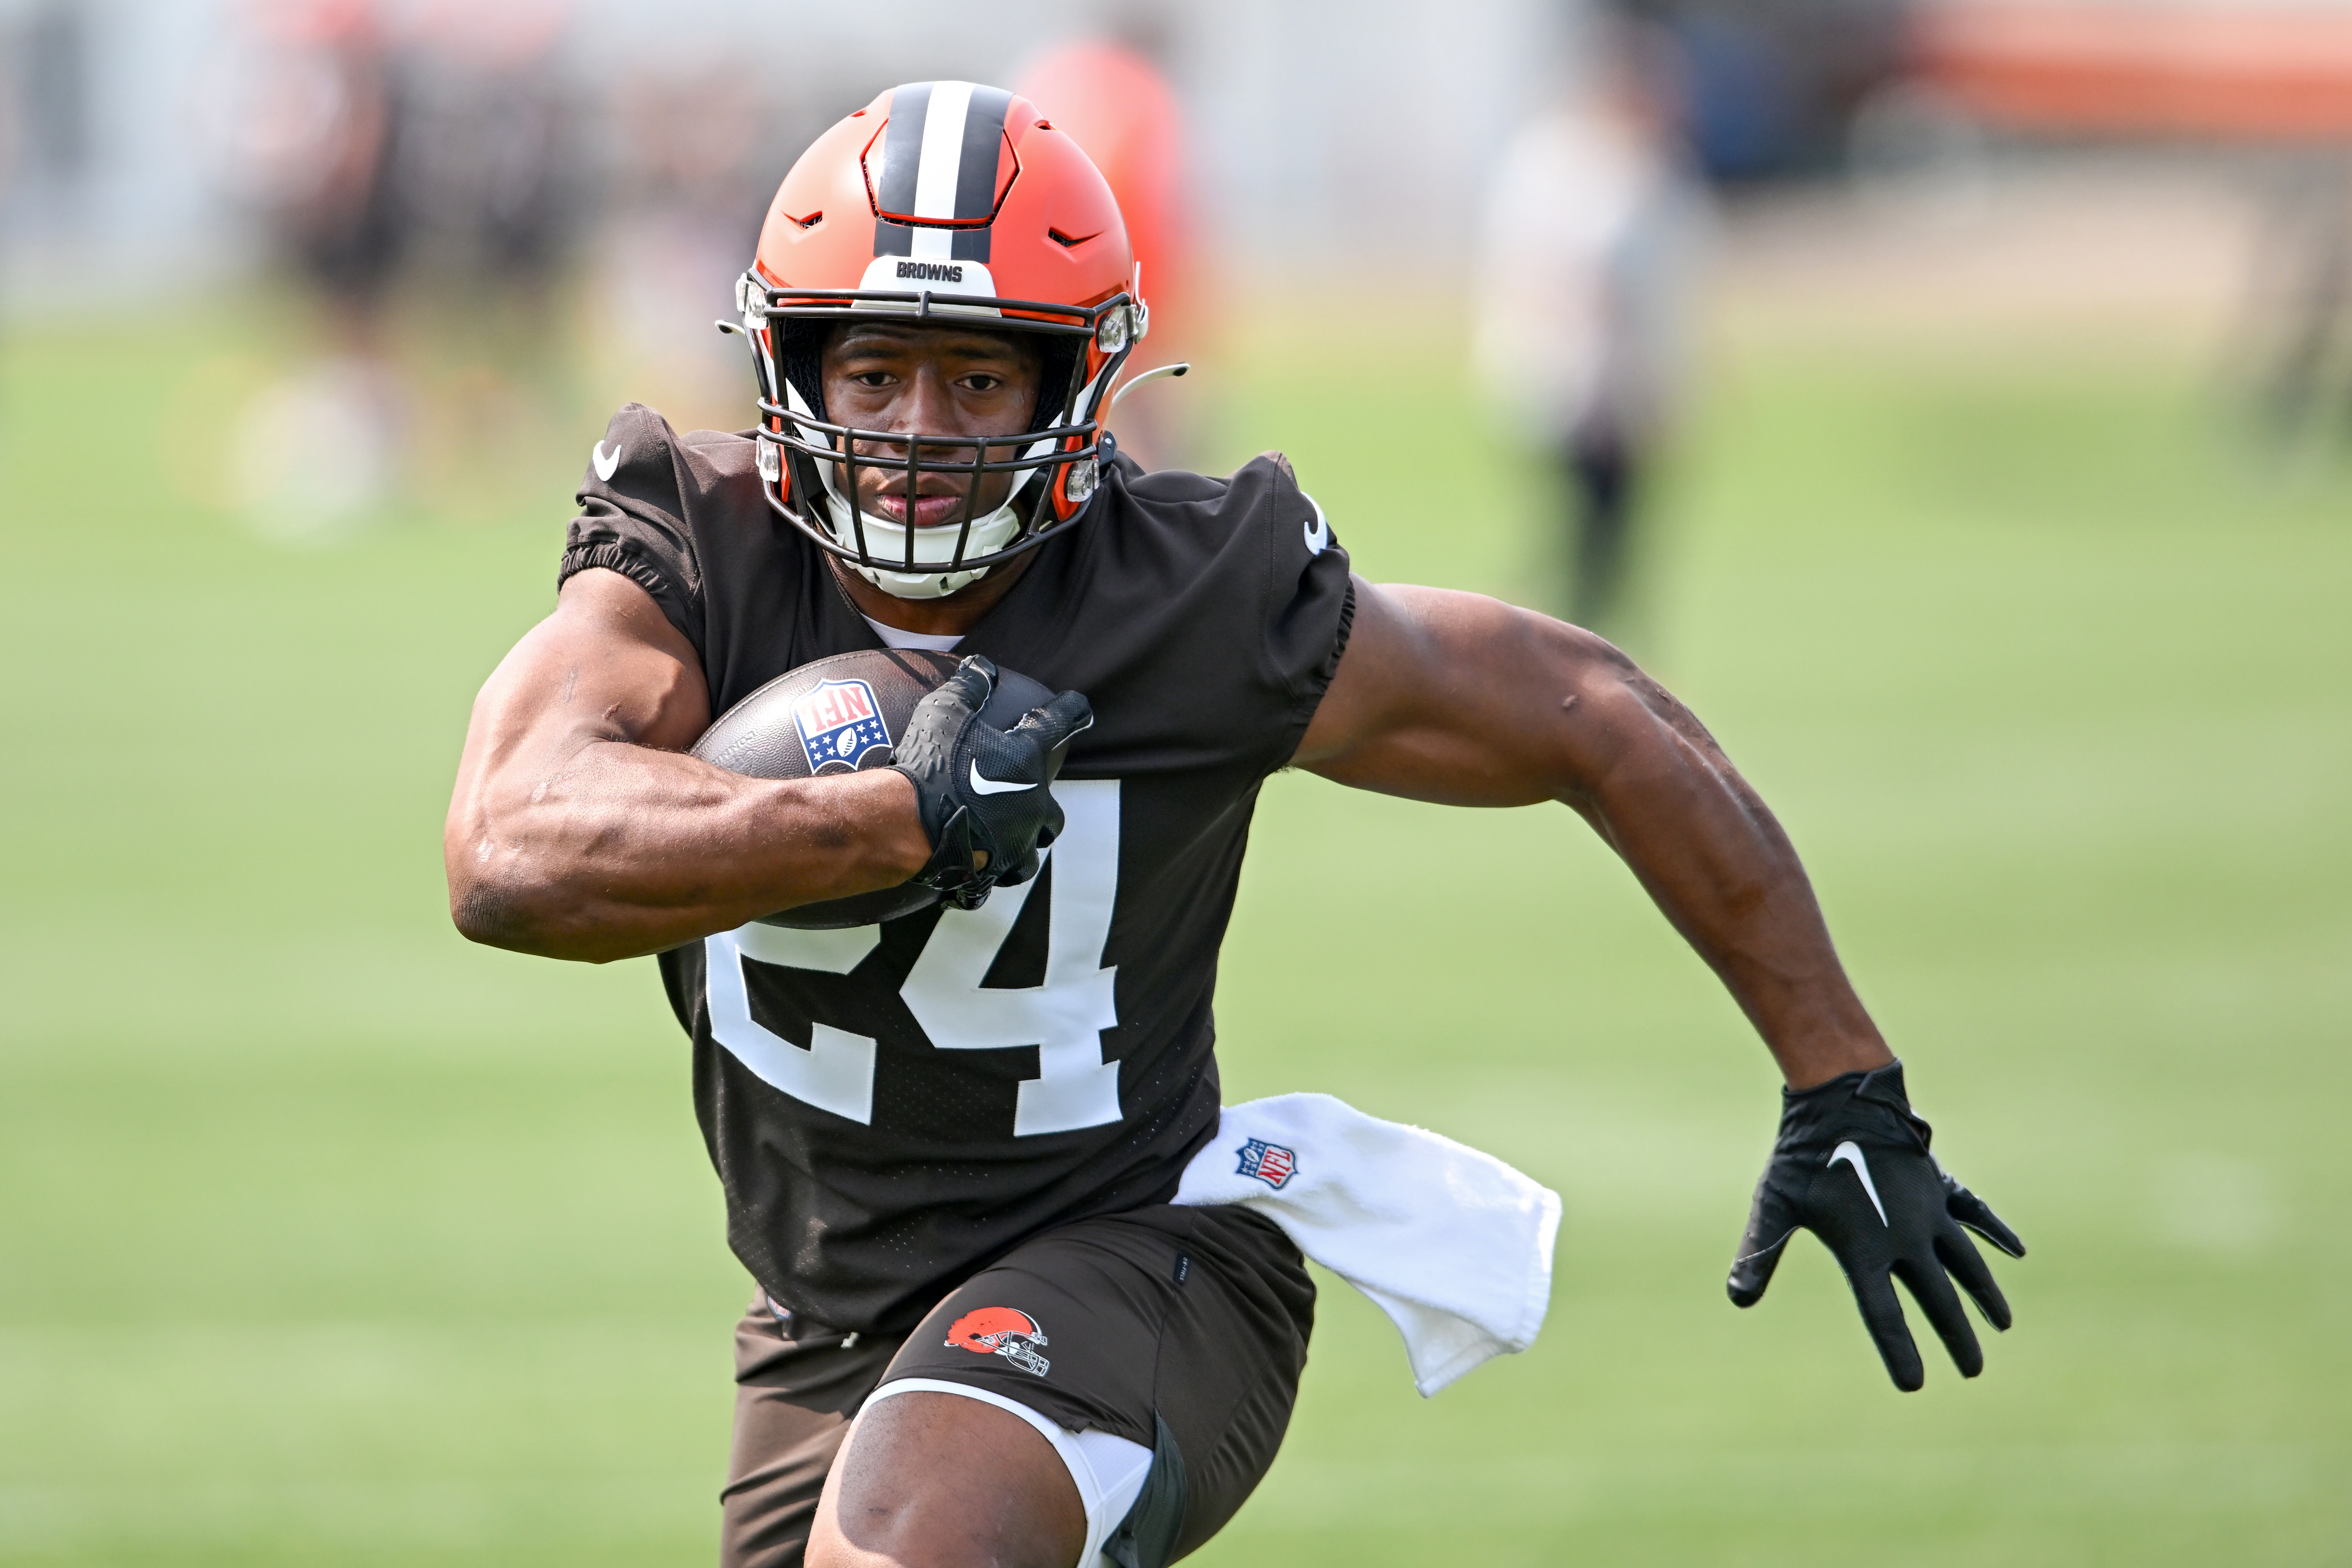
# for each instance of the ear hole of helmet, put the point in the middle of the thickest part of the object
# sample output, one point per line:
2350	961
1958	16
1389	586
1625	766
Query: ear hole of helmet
803	361
1063	356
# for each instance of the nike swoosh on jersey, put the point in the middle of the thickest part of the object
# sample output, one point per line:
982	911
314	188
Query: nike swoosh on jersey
982	785
606	467
1318	532
1851	1153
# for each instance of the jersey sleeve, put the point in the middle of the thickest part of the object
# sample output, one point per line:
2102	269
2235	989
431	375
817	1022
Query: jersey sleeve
633	518
1307	603
1309	597
1226	602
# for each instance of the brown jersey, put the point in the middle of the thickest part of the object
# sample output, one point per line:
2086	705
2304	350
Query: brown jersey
892	1108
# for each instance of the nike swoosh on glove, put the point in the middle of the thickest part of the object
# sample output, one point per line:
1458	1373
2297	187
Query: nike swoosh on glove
984	790
1851	1166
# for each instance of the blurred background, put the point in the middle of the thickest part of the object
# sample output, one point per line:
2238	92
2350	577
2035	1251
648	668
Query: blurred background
1949	400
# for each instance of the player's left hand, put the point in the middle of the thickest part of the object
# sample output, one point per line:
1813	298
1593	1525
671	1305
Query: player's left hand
984	795
1851	1166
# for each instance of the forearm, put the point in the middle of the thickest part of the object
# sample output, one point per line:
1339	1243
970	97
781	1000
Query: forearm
1450	697
1718	865
624	850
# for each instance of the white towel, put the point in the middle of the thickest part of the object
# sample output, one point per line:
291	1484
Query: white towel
1453	1244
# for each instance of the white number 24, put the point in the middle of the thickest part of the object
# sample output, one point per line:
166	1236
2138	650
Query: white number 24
1064	1018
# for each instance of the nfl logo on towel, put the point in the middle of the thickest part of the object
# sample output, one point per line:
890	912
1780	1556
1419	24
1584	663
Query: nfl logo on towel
1269	1163
839	724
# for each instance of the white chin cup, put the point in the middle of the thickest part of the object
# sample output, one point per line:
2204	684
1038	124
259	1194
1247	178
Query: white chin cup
886	540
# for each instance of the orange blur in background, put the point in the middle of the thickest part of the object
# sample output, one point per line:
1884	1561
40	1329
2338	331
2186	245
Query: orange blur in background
1114	101
2250	73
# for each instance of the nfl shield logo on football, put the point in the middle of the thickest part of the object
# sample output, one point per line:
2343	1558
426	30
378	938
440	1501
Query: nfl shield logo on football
1269	1163
840	726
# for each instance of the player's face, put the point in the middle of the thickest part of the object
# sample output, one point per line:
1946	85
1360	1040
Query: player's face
937	380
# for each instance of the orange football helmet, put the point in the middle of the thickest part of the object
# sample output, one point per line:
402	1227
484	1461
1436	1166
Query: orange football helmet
938	201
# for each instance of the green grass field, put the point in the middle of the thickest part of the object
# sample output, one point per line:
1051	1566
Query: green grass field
327	1238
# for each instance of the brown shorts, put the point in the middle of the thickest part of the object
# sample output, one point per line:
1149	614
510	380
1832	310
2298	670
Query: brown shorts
1182	1328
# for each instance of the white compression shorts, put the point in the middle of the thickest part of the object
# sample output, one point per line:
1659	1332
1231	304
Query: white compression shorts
1109	1470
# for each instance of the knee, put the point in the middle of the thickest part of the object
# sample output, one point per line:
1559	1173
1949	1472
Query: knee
935	1481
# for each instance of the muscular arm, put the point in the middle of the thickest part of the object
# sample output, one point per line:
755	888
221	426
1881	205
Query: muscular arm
1458	698
580	829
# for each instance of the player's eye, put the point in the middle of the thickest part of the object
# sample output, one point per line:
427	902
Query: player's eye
871	378
983	383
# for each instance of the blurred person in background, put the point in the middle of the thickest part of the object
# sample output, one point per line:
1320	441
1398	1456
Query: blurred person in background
491	172
693	166
372	140
9	138
304	120
1112	96
490	163
46	133
1589	258
2296	339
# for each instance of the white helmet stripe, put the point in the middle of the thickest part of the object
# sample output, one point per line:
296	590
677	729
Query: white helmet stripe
936	176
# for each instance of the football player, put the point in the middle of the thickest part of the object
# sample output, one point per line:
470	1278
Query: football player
949	1141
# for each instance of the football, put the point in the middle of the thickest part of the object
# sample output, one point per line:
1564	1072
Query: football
837	715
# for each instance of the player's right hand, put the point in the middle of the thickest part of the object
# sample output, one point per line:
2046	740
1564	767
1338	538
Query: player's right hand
1851	1166
982	791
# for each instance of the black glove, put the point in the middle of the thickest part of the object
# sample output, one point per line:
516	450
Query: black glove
1851	1166
981	789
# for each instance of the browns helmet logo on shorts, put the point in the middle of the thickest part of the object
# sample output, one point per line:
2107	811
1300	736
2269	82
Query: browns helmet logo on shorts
1001	1331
